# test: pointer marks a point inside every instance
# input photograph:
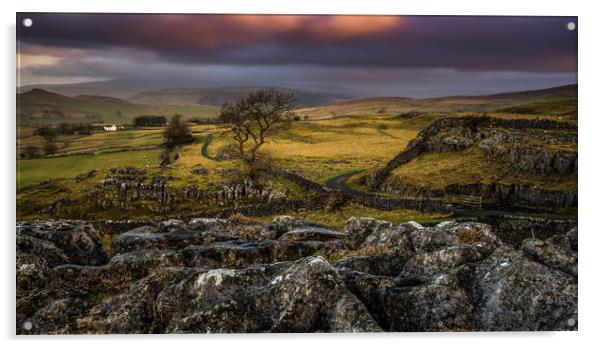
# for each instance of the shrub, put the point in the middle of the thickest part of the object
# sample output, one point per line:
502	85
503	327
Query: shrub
177	132
242	219
30	152
47	133
467	236
149	121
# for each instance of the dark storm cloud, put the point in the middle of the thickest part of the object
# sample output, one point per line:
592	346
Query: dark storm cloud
535	44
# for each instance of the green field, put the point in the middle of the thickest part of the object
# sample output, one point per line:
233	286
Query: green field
68	167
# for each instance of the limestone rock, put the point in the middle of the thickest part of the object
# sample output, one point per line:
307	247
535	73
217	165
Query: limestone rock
568	240
515	293
143	238
212	275
392	237
79	241
551	255
358	228
286	223
389	263
451	233
312	233
302	296
429	263
442	304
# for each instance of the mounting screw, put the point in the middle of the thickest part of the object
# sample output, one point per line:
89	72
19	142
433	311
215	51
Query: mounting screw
571	26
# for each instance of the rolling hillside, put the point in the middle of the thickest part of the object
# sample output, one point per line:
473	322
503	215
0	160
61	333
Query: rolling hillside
560	107
116	88
40	106
391	105
217	96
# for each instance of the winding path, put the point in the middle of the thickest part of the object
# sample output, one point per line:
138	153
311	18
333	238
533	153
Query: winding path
205	147
377	201
340	183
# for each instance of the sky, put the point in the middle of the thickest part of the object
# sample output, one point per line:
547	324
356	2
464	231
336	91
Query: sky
408	56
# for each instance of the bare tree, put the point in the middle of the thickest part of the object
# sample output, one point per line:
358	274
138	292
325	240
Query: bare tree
251	121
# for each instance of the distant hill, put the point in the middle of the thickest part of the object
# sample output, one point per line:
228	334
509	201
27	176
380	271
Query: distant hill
117	88
481	103
40	106
217	96
560	92
182	91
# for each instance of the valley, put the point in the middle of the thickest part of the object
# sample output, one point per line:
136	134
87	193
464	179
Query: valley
71	182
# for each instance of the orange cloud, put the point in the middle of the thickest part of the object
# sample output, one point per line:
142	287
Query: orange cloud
336	27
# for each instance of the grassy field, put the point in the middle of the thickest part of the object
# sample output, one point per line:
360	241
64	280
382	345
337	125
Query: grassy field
96	142
316	148
437	170
326	148
37	170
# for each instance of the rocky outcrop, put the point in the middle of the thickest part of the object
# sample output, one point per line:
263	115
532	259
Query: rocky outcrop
518	151
510	140
124	187
500	194
213	275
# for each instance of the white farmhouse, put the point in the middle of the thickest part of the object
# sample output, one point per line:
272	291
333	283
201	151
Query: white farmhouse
112	128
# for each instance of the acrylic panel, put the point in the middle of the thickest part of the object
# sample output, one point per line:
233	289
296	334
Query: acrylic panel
231	173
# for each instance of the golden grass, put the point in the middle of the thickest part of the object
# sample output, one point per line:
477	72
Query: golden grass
437	170
242	219
373	250
467	235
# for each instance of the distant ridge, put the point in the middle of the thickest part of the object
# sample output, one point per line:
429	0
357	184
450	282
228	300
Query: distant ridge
479	103
125	88
564	91
42	106
217	96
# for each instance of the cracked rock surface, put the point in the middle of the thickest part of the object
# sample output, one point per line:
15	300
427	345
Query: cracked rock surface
211	275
